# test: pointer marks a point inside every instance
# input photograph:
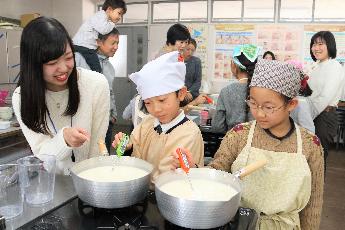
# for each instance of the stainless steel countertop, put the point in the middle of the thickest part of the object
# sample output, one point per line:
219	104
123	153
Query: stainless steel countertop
64	192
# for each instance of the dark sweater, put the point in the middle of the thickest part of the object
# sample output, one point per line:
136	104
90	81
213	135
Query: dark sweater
193	75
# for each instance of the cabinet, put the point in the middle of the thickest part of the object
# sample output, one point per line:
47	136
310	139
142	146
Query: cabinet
9	55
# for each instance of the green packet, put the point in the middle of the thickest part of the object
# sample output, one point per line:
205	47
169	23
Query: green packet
121	147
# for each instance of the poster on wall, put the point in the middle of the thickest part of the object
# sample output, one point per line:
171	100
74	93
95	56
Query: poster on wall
285	41
200	33
227	36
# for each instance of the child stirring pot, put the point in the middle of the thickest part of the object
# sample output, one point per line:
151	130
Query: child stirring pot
288	192
161	86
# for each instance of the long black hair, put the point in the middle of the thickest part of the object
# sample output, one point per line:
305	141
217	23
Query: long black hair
43	39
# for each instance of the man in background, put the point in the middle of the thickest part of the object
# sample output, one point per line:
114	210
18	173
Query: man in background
107	47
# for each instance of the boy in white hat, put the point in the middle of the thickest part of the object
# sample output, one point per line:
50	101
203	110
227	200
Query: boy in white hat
161	85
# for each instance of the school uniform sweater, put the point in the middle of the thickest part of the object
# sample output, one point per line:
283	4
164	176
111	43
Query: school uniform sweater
236	139
157	148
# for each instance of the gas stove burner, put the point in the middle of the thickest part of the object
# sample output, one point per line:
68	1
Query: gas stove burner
89	211
132	227
44	226
170	226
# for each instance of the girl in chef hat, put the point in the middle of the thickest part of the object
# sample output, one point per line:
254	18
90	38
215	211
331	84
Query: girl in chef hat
287	192
161	86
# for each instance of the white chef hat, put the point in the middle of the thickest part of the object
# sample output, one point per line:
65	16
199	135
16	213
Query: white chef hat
160	76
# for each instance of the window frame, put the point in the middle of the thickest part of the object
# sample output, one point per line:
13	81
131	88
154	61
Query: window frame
192	21
142	22
164	22
243	19
211	20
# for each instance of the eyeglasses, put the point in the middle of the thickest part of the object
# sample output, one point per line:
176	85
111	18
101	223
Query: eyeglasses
266	109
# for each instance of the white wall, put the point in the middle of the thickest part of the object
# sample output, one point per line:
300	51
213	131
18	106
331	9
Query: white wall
15	8
89	7
69	13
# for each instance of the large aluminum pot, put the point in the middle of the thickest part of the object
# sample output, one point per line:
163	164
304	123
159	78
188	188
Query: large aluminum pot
198	214
111	194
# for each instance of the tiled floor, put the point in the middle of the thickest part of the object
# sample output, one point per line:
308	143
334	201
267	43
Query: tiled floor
333	215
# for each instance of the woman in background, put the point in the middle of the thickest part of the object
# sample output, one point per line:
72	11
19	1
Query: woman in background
193	71
177	39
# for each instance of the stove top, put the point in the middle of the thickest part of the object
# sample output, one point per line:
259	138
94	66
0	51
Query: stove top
78	215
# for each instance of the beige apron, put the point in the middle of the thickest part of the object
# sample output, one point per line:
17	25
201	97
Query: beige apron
280	190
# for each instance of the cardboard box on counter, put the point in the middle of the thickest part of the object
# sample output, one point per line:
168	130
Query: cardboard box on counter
26	18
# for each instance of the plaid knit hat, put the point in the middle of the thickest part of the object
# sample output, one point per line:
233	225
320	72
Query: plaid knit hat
278	76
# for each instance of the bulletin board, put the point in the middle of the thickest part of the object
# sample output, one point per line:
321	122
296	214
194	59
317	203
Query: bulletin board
226	38
200	33
216	42
285	41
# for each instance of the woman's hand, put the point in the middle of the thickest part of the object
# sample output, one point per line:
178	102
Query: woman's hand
175	163
117	140
75	137
189	96
201	99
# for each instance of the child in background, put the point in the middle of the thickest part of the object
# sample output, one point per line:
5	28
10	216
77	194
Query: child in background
101	23
161	86
288	192
268	55
231	106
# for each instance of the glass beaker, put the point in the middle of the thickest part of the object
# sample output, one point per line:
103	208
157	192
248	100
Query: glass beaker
37	178
11	197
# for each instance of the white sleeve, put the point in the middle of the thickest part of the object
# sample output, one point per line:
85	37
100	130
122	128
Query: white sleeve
100	114
127	113
101	24
40	143
80	61
330	89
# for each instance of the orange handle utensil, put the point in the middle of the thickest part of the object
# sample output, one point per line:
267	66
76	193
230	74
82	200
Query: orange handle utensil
182	157
208	99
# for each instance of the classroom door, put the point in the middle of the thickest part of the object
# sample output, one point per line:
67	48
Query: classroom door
136	38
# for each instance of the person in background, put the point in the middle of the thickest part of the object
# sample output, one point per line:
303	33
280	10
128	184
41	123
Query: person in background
178	37
135	111
107	47
85	40
287	192
268	55
177	40
161	86
193	71
231	107
62	110
327	84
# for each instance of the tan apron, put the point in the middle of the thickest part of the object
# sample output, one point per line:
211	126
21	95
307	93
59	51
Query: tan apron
280	190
